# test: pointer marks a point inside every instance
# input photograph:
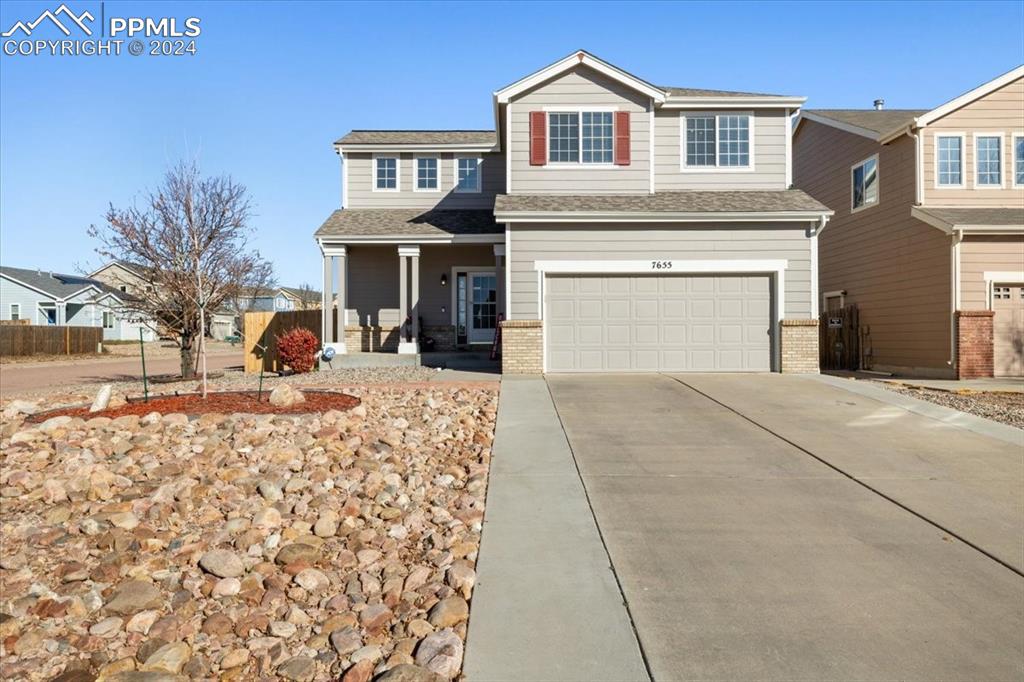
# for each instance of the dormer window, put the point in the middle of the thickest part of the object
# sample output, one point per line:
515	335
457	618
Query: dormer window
385	169
717	141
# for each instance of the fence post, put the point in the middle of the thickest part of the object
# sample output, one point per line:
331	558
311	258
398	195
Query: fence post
67	340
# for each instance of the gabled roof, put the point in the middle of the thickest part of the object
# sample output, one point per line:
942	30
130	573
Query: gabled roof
885	124
702	92
872	123
578	58
971	95
425	137
56	285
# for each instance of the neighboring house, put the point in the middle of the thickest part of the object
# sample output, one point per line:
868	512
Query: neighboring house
928	235
50	298
279	299
614	224
133	279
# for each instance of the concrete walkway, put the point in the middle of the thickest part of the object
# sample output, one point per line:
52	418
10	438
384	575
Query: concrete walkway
546	606
743	556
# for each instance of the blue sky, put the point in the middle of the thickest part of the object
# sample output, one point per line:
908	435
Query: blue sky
274	83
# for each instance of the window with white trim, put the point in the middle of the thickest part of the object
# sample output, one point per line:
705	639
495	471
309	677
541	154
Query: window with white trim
864	184
1018	160
988	154
581	137
467	174
427	173
598	137
717	141
15	311
386	172
949	150
108	320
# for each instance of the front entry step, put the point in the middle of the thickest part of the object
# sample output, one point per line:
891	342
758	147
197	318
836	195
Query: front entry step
350	360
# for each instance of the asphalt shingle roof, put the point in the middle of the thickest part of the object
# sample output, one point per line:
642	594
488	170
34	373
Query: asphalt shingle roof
408	222
702	92
875	120
56	284
995	217
668	202
357	137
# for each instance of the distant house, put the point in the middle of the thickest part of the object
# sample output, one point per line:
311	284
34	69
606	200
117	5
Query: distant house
133	279
279	299
51	298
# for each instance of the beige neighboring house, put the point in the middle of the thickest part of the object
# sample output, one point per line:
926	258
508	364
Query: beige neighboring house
131	278
614	225
928	234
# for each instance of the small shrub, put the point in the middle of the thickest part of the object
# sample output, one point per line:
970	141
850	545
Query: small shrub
297	349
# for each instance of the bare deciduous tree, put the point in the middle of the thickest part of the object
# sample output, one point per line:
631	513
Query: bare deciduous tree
309	298
190	238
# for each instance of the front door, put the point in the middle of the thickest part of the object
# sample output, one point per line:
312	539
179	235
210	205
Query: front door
483	306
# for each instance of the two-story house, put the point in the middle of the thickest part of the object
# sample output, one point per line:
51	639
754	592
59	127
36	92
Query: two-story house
614	225
928	235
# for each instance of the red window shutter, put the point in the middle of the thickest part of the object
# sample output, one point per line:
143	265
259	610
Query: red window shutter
538	138
621	138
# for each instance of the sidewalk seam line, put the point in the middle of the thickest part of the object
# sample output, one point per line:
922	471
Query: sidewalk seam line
853	478
600	535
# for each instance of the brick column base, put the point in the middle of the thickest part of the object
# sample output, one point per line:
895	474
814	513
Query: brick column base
799	340
522	347
974	341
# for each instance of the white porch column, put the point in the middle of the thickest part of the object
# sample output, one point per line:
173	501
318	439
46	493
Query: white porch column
409	307
327	302
499	273
334	334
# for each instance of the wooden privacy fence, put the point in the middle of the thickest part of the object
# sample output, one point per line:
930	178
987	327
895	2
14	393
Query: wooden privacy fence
839	341
21	339
263	328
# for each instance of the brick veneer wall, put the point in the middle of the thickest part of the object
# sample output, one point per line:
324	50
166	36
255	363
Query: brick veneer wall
367	339
974	341
799	340
522	347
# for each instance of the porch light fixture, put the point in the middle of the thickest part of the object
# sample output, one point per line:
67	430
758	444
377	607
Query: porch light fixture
444	279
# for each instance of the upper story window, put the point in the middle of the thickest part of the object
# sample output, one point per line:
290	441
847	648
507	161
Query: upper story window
467	174
864	188
385	174
581	137
988	161
1018	161
718	141
427	168
949	160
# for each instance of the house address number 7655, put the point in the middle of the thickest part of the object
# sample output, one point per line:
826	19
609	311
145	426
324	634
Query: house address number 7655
661	265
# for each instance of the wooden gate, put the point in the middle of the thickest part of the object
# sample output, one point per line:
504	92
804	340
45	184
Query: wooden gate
263	328
839	343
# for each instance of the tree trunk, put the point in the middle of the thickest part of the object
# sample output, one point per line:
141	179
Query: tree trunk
188	368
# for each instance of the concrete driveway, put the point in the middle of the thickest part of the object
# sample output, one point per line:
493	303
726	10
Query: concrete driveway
776	527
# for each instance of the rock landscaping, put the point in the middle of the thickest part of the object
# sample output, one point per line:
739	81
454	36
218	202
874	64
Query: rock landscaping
1005	408
322	546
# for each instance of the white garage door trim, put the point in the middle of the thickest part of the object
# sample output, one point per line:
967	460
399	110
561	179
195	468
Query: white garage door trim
991	278
775	268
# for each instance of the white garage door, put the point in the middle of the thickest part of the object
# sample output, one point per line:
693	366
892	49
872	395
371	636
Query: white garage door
645	323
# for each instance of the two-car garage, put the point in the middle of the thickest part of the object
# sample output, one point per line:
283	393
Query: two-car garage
658	322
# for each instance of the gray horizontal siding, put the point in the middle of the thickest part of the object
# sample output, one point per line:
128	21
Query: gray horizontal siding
530	243
769	156
581	87
361	181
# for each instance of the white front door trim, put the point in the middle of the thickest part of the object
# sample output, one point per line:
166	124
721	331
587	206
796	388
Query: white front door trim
469	304
775	267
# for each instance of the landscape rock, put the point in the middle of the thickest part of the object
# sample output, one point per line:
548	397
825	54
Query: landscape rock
441	652
286	396
409	673
222	563
134	596
102	398
449	612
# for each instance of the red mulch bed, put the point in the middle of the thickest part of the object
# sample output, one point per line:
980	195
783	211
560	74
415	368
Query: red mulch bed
226	402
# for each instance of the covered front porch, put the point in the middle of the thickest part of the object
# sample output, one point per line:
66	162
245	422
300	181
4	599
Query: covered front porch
441	291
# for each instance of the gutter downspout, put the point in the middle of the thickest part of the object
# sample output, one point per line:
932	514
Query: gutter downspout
815	294
954	297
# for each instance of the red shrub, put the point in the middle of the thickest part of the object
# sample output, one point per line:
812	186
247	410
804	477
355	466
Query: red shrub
297	348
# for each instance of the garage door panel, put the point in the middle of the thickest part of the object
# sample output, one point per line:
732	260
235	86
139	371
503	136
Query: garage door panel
609	323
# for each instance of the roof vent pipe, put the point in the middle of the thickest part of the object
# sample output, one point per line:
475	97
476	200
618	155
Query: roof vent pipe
879	104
